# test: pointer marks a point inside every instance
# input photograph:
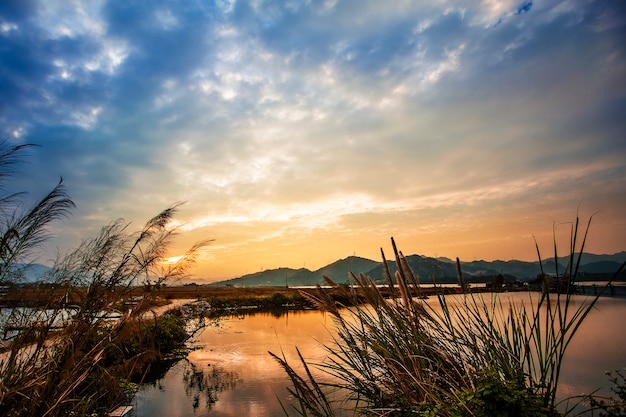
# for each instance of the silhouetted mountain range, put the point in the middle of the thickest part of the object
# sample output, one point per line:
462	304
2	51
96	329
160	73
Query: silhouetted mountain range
303	276
428	270
439	270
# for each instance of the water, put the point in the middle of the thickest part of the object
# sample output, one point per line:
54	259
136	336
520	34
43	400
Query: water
231	373
239	376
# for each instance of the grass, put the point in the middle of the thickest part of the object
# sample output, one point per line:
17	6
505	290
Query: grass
72	357
476	357
62	353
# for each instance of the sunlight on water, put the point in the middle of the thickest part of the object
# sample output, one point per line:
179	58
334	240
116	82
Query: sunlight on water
231	373
240	376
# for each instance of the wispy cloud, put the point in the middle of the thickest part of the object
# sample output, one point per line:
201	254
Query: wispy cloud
288	123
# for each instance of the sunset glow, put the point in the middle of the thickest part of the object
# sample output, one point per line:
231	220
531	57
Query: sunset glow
303	132
175	259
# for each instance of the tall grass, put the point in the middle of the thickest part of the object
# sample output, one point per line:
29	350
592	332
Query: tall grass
71	356
464	355
64	353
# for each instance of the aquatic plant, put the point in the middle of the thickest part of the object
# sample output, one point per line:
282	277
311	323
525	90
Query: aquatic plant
463	355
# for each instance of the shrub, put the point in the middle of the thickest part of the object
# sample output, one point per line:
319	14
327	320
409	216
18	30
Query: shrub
493	396
169	332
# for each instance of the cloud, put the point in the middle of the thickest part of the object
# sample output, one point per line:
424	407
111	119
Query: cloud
313	114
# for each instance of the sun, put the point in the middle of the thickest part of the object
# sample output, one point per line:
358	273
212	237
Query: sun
174	259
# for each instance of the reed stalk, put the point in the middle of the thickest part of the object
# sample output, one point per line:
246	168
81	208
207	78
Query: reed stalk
466	355
53	362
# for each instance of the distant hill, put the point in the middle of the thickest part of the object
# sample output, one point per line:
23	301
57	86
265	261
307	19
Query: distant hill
338	271
426	269
589	258
443	270
520	269
601	267
440	270
270	277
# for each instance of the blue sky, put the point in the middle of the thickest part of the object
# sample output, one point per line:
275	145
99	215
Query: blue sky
300	132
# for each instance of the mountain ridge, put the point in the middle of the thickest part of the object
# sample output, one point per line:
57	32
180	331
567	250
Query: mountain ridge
439	270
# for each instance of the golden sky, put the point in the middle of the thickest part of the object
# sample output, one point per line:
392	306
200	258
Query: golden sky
303	132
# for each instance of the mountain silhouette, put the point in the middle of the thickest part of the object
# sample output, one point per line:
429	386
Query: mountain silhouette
428	270
431	270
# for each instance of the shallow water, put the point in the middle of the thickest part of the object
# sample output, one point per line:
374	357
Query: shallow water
231	373
239	376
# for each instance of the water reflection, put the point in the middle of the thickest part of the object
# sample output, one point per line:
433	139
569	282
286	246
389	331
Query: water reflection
201	385
201	389
231	374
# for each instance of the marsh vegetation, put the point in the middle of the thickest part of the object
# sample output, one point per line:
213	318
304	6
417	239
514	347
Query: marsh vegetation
477	357
77	348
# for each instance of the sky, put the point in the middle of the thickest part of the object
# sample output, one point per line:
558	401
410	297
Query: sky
301	132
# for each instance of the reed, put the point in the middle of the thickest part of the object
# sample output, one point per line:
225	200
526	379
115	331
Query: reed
53	362
465	355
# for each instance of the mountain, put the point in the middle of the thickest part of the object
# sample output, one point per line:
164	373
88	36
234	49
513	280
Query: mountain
426	269
338	271
589	258
520	269
601	267
441	270
270	277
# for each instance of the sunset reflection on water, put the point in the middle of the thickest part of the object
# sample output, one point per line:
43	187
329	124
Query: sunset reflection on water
237	350
240	377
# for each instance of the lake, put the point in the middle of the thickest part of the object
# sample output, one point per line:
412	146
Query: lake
231	374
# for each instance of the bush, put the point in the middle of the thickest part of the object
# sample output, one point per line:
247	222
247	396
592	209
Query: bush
169	332
493	396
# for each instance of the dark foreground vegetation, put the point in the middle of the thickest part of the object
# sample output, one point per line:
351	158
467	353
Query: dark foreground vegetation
82	340
474	357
